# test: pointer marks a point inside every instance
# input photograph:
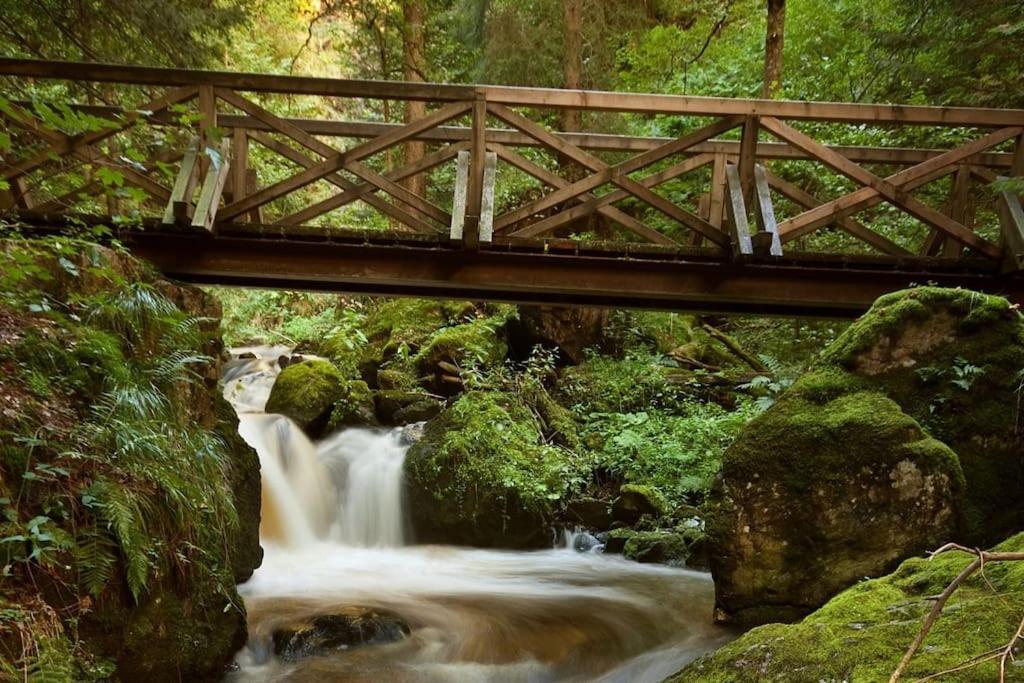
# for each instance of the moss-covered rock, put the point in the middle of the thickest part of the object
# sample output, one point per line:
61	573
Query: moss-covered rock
861	634
355	408
817	495
900	437
571	331
635	501
307	392
483	476
477	344
659	546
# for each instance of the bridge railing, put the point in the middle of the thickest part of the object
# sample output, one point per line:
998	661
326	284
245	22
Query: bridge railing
244	153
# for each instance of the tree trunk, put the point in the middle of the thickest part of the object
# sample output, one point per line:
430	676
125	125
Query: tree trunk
414	68
773	48
572	60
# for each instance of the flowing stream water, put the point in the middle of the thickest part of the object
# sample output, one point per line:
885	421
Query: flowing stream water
335	538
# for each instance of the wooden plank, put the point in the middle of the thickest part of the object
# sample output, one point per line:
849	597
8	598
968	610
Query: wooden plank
538	97
362	191
180	203
748	158
459	200
487	202
809	201
213	187
1012	214
396	212
960	196
717	196
738	225
399	192
251	185
239	163
477	160
896	196
767	226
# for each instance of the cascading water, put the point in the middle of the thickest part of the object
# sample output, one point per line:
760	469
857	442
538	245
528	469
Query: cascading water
333	534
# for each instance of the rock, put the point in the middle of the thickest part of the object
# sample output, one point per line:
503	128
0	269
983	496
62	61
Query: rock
482	475
477	344
862	633
818	493
307	392
635	501
590	513
397	407
355	408
585	543
413	433
661	547
570	330
326	634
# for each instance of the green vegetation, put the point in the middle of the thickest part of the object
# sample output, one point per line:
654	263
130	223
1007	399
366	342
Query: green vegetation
307	391
116	472
862	633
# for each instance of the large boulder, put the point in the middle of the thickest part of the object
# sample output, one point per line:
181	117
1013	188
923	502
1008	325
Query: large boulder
862	633
570	330
903	436
306	392
482	475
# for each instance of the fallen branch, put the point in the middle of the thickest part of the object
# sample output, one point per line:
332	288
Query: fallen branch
981	558
736	349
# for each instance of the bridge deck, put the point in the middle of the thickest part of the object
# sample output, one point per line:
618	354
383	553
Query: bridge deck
748	205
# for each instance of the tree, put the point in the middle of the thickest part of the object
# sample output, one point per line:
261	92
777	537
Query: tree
773	45
572	58
414	70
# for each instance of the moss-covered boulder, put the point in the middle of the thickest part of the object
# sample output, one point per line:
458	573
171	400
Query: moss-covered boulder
660	546
861	634
819	492
307	392
482	475
452	350
355	408
397	407
952	358
902	436
636	501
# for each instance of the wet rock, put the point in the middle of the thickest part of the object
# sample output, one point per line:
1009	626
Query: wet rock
332	633
412	433
307	392
590	513
635	501
354	409
398	407
585	543
661	547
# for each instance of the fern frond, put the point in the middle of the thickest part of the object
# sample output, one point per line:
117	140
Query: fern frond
95	558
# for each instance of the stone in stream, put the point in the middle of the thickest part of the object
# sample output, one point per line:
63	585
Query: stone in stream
635	501
331	633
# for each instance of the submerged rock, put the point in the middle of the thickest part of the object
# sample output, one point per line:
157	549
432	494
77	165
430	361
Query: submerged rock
901	438
336	632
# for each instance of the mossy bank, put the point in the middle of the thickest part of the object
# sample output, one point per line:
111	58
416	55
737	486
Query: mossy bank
130	505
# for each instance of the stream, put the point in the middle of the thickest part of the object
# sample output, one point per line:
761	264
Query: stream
334	531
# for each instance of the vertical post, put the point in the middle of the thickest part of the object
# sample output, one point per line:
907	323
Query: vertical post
477	160
959	197
239	164
717	191
18	195
748	157
207	124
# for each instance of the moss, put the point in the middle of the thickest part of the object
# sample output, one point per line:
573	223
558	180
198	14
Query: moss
802	443
659	546
354	408
609	385
482	475
651	496
861	634
480	343
891	313
307	391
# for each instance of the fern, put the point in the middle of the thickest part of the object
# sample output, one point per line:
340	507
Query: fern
95	558
120	510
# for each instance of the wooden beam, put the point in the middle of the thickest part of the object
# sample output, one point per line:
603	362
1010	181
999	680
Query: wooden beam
1013	230
179	206
716	205
213	185
459	199
883	187
738	225
767	238
531	97
748	158
487	202
477	160
239	163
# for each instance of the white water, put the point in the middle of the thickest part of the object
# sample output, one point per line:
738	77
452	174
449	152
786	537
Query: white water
333	533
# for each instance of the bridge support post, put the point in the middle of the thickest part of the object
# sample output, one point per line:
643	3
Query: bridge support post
477	161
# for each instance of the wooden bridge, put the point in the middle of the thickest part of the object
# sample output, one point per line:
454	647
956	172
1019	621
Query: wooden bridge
741	205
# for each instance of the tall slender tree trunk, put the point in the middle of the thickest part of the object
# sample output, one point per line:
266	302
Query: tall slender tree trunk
773	44
414	68
572	60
